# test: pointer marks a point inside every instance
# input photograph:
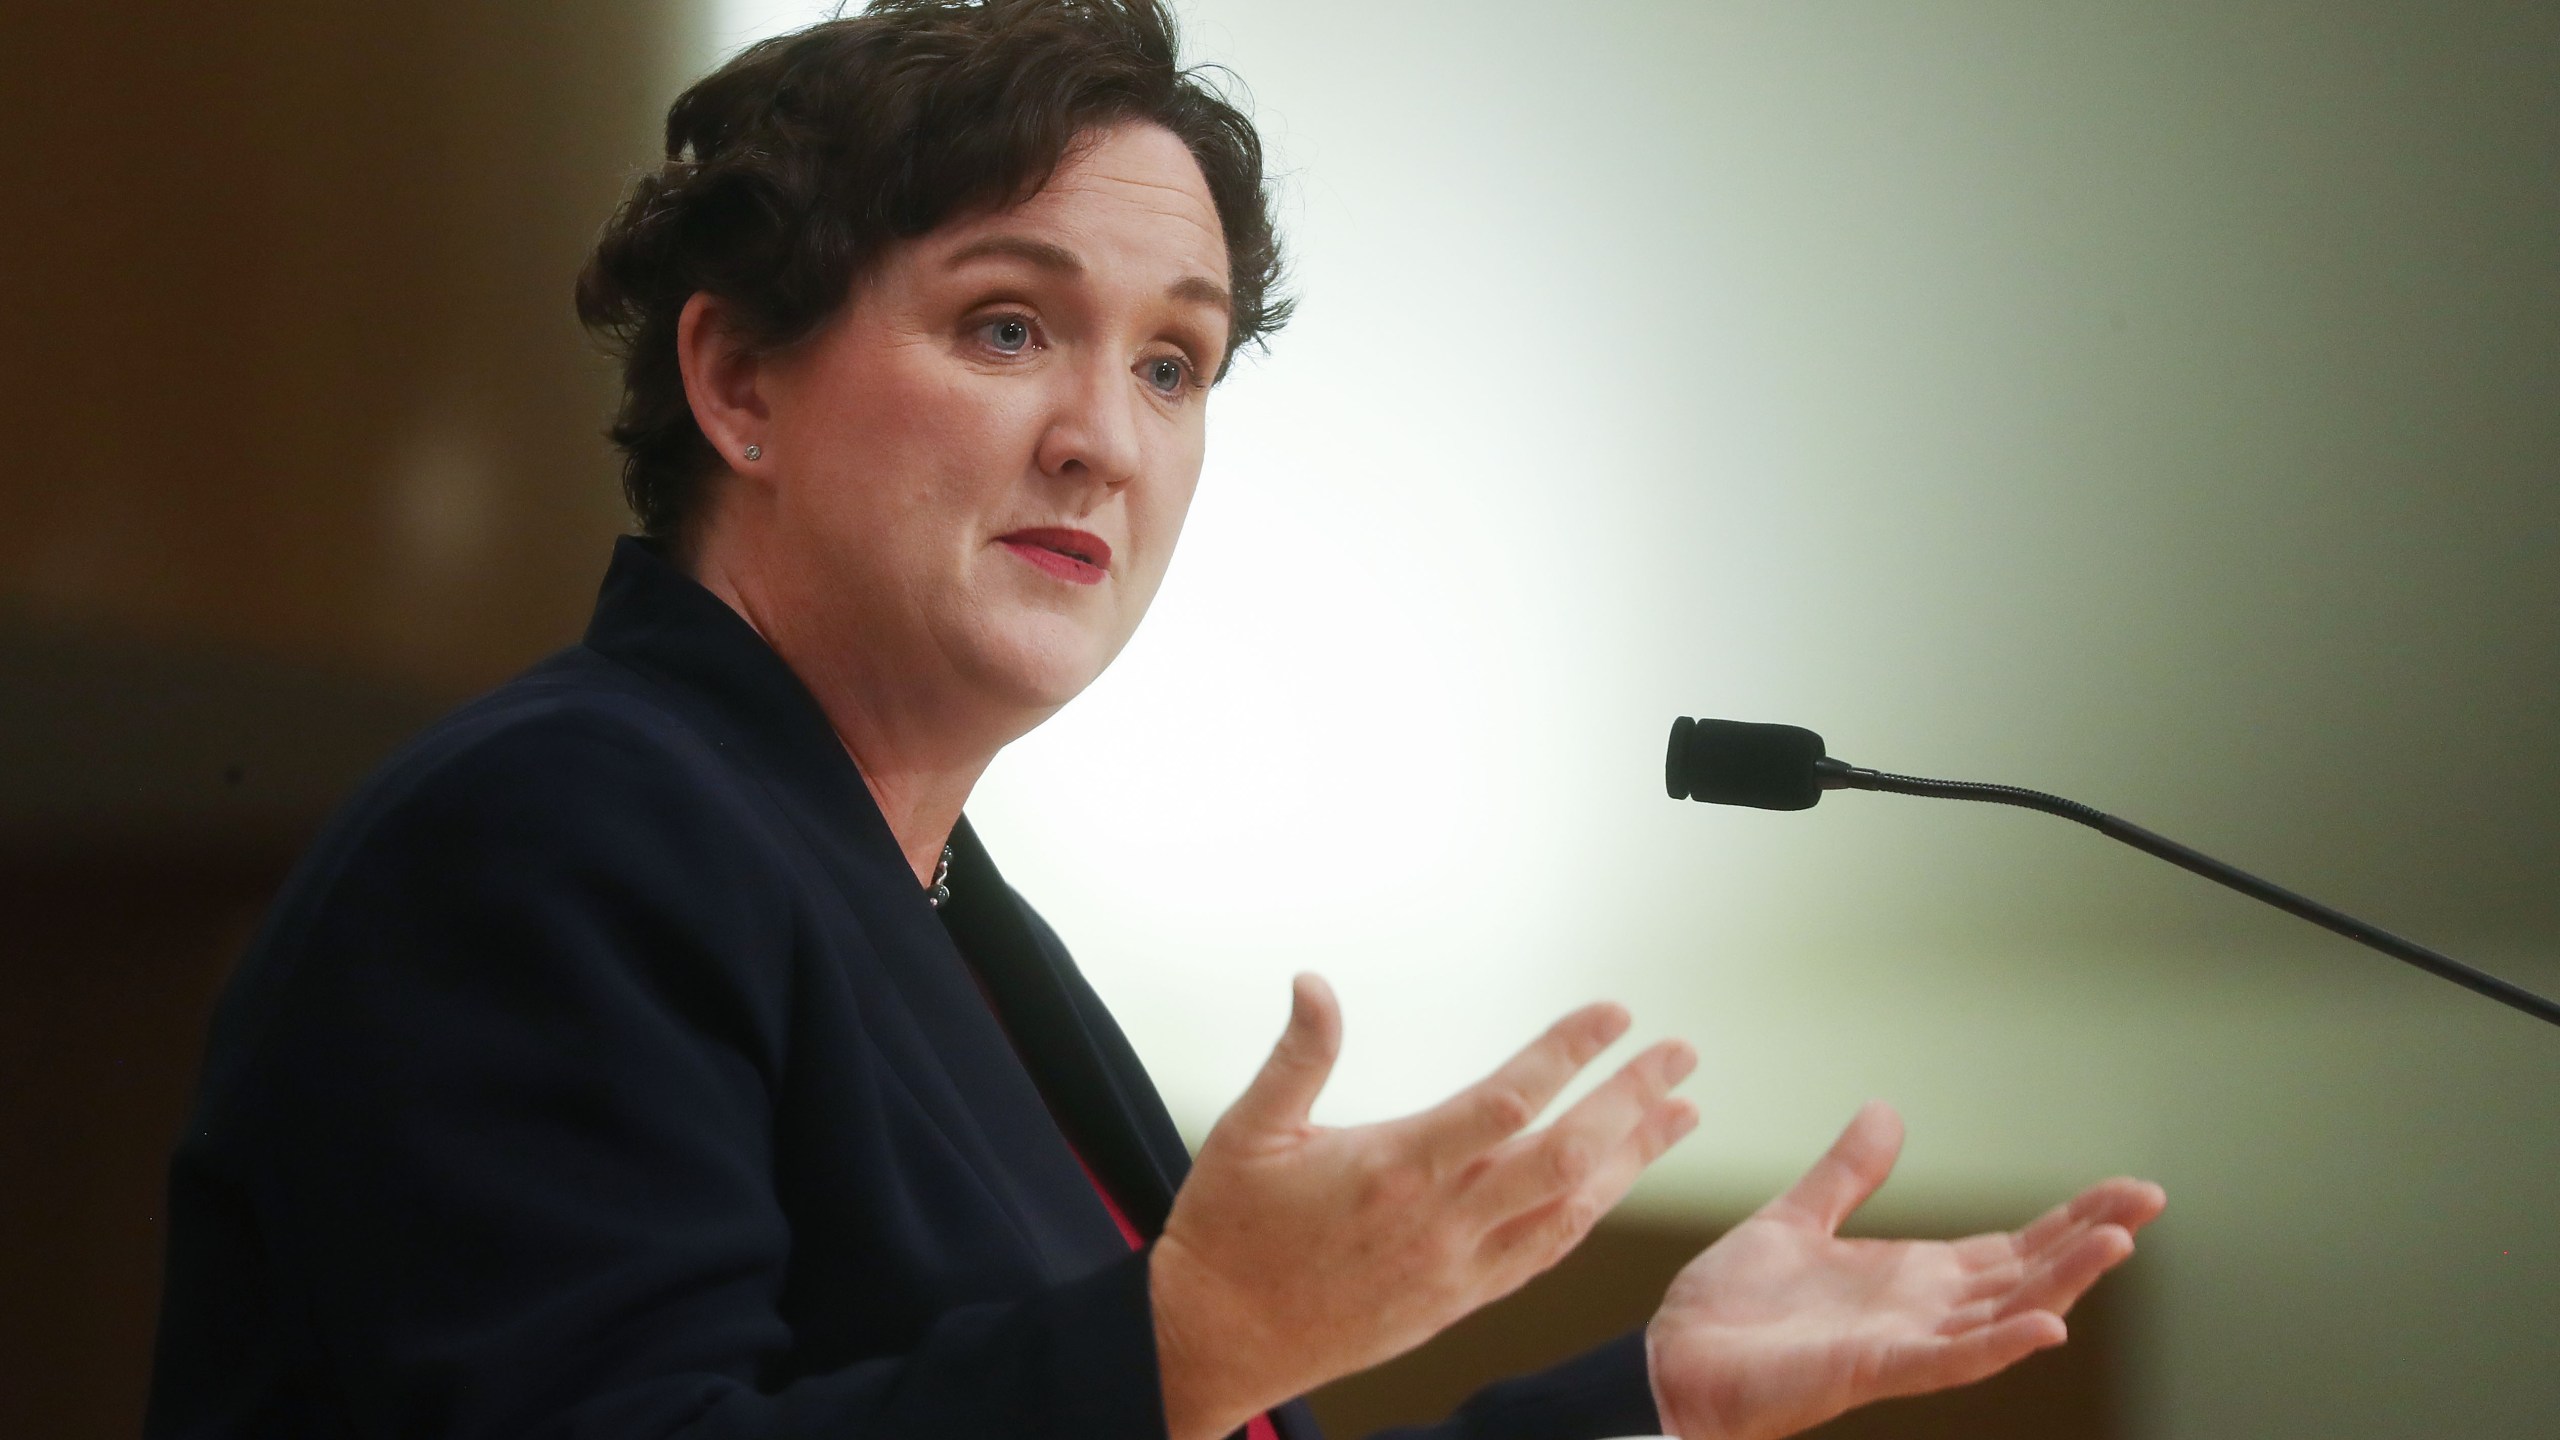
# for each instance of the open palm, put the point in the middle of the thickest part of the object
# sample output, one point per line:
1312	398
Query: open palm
1782	1324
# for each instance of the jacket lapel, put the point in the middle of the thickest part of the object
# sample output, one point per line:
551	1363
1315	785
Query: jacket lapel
1077	1056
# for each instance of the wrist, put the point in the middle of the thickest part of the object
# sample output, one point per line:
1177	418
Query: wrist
1653	1381
1204	1347
1705	1416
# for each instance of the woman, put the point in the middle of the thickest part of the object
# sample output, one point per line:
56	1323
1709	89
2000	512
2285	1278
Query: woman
652	1050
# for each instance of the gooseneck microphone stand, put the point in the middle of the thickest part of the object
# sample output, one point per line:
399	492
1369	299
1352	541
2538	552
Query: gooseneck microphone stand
1783	767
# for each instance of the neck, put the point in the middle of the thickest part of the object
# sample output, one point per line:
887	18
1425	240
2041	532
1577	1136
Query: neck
922	804
912	740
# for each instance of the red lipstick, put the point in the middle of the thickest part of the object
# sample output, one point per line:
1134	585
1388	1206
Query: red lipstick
1076	556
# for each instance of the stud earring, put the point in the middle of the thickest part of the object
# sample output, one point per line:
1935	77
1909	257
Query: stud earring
755	452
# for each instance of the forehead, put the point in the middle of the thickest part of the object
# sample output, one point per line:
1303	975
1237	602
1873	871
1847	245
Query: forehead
1130	197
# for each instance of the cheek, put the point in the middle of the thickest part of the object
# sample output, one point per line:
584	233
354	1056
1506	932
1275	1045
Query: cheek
950	414
1156	513
903	450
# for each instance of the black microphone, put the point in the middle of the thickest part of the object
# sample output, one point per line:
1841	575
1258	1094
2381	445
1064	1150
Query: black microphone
1785	767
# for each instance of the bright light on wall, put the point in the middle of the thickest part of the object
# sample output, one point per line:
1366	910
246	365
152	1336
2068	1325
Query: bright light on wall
735	24
2150	404
1762	361
1547	458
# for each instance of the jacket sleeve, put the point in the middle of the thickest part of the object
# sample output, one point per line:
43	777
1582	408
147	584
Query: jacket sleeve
504	1117
1604	1392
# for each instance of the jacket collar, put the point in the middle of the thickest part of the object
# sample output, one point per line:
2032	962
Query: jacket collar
659	621
1094	1086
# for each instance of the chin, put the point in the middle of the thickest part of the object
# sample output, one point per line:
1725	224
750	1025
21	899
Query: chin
1041	662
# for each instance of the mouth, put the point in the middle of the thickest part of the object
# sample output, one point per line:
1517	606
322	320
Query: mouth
1076	556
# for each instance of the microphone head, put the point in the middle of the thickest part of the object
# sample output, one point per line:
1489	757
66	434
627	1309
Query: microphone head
1730	762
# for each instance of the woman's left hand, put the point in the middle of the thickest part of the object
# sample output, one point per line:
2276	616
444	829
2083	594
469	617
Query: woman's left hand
1782	1324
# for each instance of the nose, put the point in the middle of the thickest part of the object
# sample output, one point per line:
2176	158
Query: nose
1092	434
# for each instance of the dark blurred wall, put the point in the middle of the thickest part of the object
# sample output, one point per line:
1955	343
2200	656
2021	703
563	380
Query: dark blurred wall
1612	1282
291	362
303	446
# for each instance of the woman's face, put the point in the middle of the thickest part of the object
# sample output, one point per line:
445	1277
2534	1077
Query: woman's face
977	471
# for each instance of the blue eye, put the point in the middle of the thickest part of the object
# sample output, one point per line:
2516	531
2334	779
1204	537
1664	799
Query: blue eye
1009	334
1167	374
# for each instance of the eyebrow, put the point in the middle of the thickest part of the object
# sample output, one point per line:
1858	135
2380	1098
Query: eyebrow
1020	247
1202	292
1040	253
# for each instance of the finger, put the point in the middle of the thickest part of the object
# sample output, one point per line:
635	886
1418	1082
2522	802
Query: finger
2000	1256
1996	1265
1997	1262
1528	1243
2058	1282
1665	1125
1286	1087
1583	1142
2134	1203
2055	1282
2012	1264
1983	1256
1849	1172
1919	1366
2121	1201
1503	1103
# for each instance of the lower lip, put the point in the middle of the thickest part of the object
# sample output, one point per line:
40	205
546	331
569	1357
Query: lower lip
1065	567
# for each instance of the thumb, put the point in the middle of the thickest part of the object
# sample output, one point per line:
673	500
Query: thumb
1286	1089
1855	1166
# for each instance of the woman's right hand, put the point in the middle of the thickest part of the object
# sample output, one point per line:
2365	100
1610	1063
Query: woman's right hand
1296	1253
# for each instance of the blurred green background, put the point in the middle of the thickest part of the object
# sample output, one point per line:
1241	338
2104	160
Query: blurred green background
2159	405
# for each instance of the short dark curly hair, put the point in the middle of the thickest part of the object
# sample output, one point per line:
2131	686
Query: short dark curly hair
790	169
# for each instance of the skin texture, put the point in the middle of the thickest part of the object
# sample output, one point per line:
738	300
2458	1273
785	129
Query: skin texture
1298	1253
919	425
1782	1324
1045	366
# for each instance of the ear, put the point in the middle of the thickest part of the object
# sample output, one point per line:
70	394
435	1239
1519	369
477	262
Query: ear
724	380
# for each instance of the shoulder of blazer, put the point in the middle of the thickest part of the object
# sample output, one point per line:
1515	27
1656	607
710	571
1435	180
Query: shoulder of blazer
569	783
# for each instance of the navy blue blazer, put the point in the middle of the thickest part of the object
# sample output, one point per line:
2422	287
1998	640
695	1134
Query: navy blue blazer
603	1072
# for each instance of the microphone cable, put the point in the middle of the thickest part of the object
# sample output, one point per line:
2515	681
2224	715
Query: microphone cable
1784	767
